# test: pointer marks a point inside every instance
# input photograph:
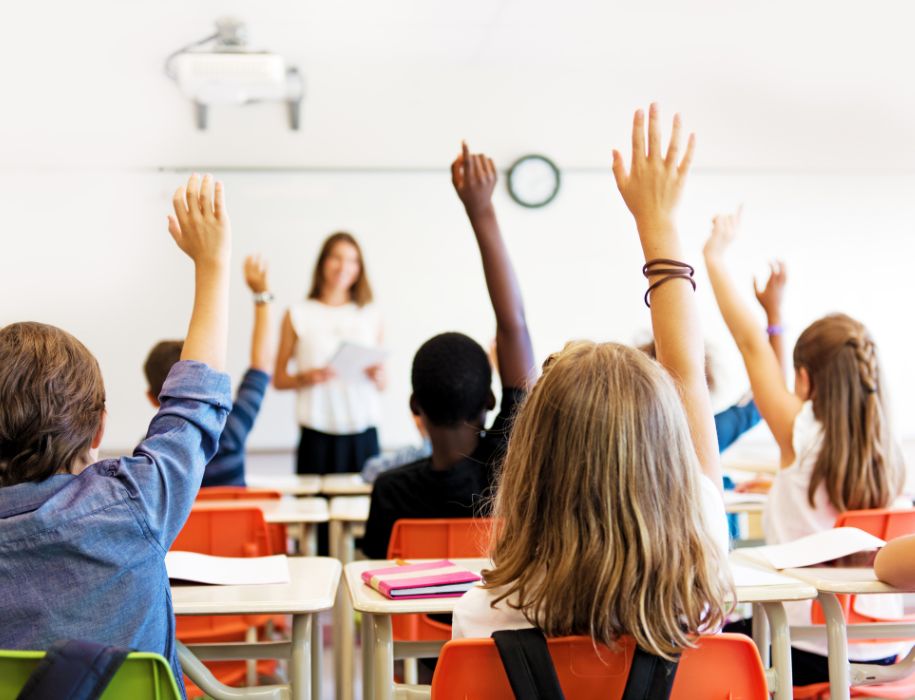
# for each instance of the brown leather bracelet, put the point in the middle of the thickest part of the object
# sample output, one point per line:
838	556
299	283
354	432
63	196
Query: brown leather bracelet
652	287
646	268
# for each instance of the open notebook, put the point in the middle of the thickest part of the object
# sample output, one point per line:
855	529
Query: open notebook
435	579
226	571
817	548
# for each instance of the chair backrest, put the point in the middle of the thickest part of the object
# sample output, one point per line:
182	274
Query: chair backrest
431	538
143	676
885	523
721	667
237	493
225	532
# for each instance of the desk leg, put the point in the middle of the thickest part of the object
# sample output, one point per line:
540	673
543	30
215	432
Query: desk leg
781	649
317	653
368	646
300	666
761	633
344	644
837	644
383	657
308	545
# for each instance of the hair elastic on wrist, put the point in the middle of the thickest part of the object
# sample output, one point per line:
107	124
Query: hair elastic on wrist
680	267
655	285
774	329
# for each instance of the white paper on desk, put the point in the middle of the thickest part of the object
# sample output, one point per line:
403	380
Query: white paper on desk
351	360
226	571
735	498
752	576
814	549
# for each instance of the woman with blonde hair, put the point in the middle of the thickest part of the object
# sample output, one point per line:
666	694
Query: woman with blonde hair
609	498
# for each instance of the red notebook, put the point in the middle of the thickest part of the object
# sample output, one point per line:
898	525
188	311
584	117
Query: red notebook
434	579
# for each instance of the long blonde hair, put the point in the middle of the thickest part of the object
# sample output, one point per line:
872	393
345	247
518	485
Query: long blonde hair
600	529
858	463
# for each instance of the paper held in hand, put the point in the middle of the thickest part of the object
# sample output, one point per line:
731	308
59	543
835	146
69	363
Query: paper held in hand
351	360
817	548
226	571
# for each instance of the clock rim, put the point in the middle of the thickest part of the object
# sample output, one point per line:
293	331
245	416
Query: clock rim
535	205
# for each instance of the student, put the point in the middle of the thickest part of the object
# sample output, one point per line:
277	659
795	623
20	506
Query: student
82	542
833	432
337	416
451	387
227	468
612	520
377	465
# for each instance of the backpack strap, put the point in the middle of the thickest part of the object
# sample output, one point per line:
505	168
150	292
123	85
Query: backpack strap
650	677
74	669
528	664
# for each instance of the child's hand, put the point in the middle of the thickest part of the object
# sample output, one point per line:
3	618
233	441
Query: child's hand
770	296
200	225
724	231
474	178
256	274
652	187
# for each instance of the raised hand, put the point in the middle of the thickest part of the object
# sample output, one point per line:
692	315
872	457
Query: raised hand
724	231
474	178
256	274
770	296
200	225
652	187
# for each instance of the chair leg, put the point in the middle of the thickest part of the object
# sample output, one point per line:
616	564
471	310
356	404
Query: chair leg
410	672
251	638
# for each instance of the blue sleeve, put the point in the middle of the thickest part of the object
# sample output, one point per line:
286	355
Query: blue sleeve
228	466
163	476
734	422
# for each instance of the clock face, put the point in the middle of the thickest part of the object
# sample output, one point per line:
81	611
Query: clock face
533	181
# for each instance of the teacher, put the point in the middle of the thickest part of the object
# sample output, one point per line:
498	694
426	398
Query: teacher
337	416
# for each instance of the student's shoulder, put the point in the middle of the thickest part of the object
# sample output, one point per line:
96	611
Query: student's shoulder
401	476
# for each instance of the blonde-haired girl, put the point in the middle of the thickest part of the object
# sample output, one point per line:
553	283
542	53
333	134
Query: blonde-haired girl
833	432
611	517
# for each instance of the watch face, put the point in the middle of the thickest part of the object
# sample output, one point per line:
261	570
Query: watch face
533	181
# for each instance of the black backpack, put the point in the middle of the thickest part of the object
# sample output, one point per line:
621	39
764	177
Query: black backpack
75	670
532	675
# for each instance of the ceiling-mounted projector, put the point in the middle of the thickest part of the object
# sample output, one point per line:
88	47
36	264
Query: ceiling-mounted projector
229	73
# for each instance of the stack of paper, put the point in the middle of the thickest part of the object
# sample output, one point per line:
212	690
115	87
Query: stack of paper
814	549
351	360
436	579
226	571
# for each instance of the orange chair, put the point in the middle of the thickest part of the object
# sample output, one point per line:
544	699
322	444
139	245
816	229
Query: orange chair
434	538
887	524
228	532
244	493
722	667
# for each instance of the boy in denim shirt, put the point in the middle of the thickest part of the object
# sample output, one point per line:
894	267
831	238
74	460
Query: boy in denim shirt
227	468
82	542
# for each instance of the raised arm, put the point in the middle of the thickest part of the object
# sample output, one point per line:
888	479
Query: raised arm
651	190
770	298
474	179
777	405
256	279
201	228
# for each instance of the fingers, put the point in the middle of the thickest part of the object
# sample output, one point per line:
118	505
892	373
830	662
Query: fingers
174	228
193	197
491	171
673	149
619	170
654	132
457	168
472	171
179	203
467	161
638	138
688	156
206	195
219	201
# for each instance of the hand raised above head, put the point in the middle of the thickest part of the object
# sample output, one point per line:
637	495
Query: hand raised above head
200	225
651	188
770	296
724	231
474	178
256	273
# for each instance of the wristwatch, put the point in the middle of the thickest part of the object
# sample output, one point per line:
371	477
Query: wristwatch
263	297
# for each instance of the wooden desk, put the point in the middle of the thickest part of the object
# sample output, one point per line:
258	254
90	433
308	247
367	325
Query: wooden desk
311	590
344	485
287	484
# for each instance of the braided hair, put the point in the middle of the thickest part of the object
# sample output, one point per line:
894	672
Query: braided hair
857	463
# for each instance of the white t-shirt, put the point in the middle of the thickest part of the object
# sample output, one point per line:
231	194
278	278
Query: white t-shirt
475	617
336	406
788	516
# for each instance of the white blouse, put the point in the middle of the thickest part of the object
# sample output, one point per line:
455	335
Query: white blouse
474	615
336	406
788	516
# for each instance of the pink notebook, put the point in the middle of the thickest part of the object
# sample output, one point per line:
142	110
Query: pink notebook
434	579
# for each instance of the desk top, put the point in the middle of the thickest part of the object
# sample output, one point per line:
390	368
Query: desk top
312	588
354	509
829	579
366	599
286	511
344	485
287	484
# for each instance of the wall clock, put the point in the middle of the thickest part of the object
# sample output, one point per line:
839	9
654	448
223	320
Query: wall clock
533	181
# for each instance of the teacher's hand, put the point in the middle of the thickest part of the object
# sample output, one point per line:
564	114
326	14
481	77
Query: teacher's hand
318	375
377	375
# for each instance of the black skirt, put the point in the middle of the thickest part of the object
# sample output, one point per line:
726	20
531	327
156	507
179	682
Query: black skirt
322	453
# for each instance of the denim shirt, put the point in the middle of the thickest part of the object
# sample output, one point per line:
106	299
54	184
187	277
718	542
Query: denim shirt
82	556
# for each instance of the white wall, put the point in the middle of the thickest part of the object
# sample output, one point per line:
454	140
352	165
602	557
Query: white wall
805	113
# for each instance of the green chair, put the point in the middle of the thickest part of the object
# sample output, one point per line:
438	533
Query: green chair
143	676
